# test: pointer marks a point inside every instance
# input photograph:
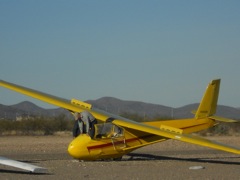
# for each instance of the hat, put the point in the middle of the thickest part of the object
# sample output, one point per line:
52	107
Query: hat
76	115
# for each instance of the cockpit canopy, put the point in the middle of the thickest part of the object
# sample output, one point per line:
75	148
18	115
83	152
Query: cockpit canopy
107	130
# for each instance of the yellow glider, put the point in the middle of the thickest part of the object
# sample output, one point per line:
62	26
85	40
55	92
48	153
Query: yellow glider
117	136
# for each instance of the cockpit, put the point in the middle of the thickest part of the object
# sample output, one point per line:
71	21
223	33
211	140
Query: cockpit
107	130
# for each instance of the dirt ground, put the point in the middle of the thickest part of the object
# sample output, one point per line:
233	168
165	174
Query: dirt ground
167	160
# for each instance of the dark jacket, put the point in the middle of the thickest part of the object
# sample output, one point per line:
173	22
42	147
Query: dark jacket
76	130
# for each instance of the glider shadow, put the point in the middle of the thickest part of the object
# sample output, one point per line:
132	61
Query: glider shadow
147	157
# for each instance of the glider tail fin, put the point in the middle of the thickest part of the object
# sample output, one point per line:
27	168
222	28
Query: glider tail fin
208	105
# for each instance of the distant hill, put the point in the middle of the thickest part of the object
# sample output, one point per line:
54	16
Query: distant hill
28	108
116	106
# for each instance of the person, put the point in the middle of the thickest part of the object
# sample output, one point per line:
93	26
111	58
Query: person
78	125
89	121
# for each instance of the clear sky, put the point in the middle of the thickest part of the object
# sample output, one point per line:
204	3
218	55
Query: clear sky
158	51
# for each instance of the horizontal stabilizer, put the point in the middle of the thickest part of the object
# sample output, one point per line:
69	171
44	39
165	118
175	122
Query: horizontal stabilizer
222	119
21	165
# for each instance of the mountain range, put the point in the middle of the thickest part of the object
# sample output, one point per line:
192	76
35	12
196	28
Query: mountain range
116	106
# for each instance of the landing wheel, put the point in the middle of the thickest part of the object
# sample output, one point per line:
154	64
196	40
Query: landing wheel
117	159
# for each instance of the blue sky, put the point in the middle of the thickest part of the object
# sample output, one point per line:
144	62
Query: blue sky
161	52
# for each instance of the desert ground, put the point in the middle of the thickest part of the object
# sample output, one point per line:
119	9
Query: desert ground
168	160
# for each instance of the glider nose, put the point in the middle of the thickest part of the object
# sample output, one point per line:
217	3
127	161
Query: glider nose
78	147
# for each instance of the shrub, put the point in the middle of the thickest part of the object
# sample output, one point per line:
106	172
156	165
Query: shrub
36	126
